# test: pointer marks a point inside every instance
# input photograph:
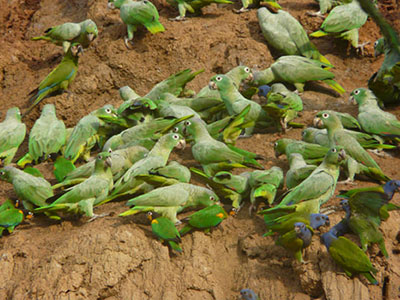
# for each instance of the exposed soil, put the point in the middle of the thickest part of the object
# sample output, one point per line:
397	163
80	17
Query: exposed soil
118	258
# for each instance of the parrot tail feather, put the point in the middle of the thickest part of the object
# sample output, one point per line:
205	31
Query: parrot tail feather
334	85
155	27
185	230
175	246
318	33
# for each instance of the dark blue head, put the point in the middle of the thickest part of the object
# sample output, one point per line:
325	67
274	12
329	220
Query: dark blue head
346	207
318	220
303	233
327	238
391	187
263	90
340	228
248	294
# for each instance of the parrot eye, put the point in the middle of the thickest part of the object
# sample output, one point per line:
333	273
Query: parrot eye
100	157
175	137
110	150
334	150
375	44
303	133
149	213
325	115
2	173
276	144
108	110
212	198
218	78
187	123
176	129
247	69
356	92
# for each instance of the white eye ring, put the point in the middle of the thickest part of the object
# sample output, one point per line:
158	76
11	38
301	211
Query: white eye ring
218	78
325	115
376	43
176	129
108	110
175	137
2	173
356	92
187	123
100	157
334	150
247	69
110	150
212	198
276	144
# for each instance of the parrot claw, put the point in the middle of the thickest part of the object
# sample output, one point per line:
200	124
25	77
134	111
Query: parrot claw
95	216
242	10
128	42
348	181
178	18
328	210
360	48
179	222
316	14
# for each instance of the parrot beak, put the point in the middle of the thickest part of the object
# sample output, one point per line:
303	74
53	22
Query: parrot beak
250	78
108	162
212	85
342	155
317	122
111	5
181	145
297	229
29	216
91	37
352	100
80	50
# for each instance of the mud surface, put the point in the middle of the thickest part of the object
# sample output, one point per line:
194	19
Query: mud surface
117	258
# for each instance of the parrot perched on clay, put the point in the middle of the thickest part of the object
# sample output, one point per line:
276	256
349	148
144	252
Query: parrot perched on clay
136	13
81	198
344	21
69	33
248	294
374	120
296	240
46	138
193	6
170	200
299	170
296	70
272	4
283	32
165	230
59	79
235	103
10	218
349	256
312	153
205	219
385	83
214	155
12	134
321	183
31	190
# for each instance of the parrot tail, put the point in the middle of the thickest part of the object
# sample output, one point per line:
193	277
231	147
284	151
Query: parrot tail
222	1
334	85
155	27
382	247
370	277
26	159
175	246
185	230
318	33
266	191
43	37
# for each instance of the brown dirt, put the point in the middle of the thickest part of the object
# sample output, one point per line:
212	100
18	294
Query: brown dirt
117	258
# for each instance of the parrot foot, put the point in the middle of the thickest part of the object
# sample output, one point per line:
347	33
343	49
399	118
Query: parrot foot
179	222
128	42
328	210
95	216
178	18
242	10
347	181
380	153
316	14
360	48
252	209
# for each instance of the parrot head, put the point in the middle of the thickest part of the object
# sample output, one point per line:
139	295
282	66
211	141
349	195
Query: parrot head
172	140
104	159
6	173
107	113
13	113
318	220
91	30
112	4
391	187
280	146
245	73
361	95
335	155
344	204
76	49
248	294
219	82
263	90
379	47
307	134
325	119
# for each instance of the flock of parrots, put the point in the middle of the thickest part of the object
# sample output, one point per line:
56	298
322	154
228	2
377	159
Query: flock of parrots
134	141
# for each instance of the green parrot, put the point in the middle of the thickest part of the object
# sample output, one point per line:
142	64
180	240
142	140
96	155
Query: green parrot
272	4
337	136
7	205
156	158
312	153
344	21
31	190
121	161
372	119
347	120
59	79
235	103
46	138
282	105
296	70
349	256
320	136
165	230
264	184
10	218
135	13
69	33
87	133
170	200
379	47
193	6
214	155
299	170
324	7
81	198
205	219
321	183
12	134
296	240
174	170
366	229
385	83
283	32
